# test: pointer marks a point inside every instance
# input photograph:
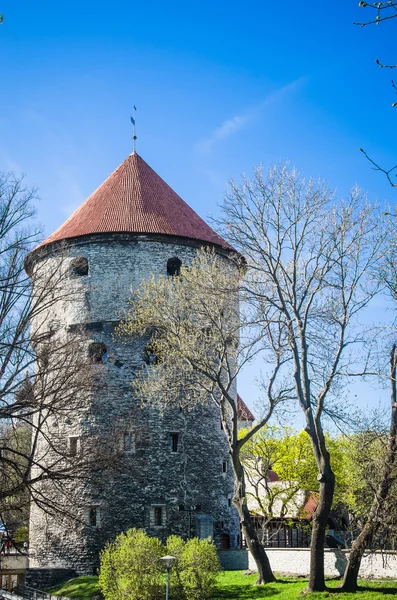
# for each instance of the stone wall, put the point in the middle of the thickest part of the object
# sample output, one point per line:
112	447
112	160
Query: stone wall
148	476
296	562
41	579
233	560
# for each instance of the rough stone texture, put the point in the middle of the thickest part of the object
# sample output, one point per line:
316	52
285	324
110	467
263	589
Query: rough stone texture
296	562
41	579
233	560
148	474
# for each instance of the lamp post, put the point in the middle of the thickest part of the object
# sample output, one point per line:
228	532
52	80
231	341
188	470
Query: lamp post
190	510
168	562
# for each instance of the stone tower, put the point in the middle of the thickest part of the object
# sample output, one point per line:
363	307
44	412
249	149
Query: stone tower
173	474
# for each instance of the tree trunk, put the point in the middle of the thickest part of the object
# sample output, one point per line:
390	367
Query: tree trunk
320	520
349	583
265	573
365	539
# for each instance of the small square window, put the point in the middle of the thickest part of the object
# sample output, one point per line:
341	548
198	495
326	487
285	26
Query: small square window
157	516
74	445
93	516
174	438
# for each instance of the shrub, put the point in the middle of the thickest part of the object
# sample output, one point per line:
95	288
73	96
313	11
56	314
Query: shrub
175	547
130	568
199	568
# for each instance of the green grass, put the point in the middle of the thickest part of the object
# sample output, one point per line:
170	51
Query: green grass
84	588
234	585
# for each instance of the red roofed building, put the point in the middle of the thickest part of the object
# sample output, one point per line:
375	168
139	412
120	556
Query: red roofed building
245	416
133	226
135	200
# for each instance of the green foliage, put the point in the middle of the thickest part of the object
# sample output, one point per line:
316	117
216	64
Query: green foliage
176	547
21	534
82	588
131	568
288	453
365	456
199	569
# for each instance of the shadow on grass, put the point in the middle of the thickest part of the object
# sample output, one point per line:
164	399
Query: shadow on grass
379	590
382	587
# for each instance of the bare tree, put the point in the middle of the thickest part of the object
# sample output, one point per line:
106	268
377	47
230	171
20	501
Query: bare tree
199	342
384	11
309	267
380	521
44	370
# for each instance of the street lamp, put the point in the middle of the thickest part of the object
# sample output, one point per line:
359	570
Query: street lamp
168	562
190	510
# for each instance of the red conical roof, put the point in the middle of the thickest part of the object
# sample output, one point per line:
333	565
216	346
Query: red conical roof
134	199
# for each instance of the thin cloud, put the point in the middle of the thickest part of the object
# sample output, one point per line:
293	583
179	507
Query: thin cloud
238	122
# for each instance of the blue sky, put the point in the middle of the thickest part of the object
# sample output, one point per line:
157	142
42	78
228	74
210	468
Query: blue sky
220	87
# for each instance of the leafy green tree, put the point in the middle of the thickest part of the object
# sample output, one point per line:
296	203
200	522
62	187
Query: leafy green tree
176	547
131	568
289	454
199	569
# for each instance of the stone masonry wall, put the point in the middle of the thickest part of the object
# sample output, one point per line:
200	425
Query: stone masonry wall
149	475
297	562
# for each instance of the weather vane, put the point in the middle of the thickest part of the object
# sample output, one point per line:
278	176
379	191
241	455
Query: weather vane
133	121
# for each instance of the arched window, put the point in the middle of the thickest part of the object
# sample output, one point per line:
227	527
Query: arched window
150	356
174	266
80	266
98	353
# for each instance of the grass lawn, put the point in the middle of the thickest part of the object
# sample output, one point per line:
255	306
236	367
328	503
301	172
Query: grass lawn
234	585
84	588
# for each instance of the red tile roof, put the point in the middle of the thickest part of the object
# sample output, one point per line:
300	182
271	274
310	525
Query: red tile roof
134	199
272	476
243	412
310	506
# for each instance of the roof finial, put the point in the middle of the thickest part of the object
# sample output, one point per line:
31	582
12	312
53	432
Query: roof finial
133	121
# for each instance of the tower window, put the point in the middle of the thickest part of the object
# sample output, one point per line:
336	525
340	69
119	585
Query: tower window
150	356
174	266
80	266
93	516
174	442
74	445
128	441
157	516
229	501
98	353
224	467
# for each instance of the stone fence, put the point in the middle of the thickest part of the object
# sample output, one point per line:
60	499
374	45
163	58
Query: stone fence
296	561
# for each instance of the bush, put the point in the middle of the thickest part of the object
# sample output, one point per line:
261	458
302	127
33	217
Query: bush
175	547
130	568
199	568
